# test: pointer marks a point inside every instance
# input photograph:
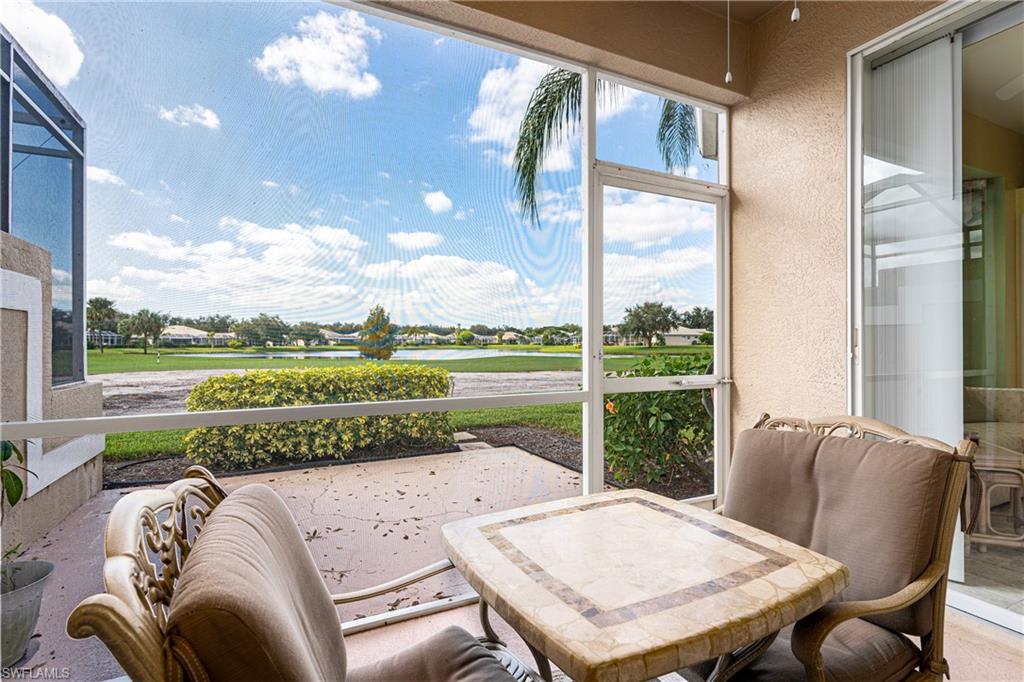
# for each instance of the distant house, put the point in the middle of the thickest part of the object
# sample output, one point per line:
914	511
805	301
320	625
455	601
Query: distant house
222	338
94	336
180	335
333	338
511	337
424	339
486	339
683	336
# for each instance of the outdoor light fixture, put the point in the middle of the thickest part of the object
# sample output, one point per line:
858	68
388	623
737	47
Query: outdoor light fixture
795	16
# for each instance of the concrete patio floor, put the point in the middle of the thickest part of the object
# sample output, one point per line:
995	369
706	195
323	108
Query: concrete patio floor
365	523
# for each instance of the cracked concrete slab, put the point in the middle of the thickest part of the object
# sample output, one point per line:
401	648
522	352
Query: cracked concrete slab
364	524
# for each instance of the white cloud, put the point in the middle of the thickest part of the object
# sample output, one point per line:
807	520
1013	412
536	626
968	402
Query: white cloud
270	184
188	115
293	270
384	174
650	219
464	213
413	241
46	37
115	289
329	53
175	218
437	202
165	248
102	176
666	277
438	41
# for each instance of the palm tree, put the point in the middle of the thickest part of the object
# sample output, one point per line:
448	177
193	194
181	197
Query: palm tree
554	109
100	313
146	324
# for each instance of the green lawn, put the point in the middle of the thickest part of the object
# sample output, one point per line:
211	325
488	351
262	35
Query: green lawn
564	418
133	360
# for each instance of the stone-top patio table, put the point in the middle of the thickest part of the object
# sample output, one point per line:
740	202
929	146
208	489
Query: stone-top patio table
629	585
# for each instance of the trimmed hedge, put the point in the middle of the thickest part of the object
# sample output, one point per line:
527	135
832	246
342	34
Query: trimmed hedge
252	445
649	436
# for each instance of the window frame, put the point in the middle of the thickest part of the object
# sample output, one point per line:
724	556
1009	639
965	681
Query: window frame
13	55
595	384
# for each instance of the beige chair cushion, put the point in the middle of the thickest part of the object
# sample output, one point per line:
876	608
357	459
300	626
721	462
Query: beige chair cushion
250	603
452	655
856	651
872	505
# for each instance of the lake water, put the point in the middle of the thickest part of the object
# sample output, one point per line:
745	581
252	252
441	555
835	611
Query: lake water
401	354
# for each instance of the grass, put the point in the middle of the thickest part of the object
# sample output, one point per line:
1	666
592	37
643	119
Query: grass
129	446
133	360
123	447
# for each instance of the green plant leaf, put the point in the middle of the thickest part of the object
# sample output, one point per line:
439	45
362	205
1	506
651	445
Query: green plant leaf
13	486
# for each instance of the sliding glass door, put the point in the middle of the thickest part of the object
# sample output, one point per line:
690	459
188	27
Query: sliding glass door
938	273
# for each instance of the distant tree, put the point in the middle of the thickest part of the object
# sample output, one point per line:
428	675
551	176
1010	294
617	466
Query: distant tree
465	337
343	327
483	330
548	338
308	332
378	337
209	337
146	324
698	318
260	330
707	338
214	323
649	321
101	315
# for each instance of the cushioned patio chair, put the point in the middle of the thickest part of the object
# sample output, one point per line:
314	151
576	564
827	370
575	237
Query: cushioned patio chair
879	500
202	585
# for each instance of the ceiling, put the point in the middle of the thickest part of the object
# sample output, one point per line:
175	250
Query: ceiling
747	11
993	76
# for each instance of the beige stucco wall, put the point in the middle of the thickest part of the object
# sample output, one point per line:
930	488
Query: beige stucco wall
789	267
36	515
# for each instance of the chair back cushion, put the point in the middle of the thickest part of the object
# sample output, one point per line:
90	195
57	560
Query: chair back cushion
873	505
250	603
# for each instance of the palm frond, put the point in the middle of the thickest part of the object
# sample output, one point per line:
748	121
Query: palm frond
554	109
677	133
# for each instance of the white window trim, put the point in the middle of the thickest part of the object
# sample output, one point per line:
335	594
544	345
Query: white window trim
594	382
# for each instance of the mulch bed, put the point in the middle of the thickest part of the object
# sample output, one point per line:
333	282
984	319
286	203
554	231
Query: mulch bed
552	445
167	468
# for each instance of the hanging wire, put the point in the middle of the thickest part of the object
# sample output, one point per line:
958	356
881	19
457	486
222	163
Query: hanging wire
728	41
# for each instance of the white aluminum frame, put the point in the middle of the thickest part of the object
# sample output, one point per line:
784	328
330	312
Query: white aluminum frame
595	384
717	195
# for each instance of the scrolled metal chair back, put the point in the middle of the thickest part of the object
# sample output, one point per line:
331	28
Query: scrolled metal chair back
148	539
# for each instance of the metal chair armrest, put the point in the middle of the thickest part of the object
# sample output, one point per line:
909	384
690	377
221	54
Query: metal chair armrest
810	633
393	585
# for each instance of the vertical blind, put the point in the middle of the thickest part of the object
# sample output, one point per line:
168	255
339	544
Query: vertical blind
913	282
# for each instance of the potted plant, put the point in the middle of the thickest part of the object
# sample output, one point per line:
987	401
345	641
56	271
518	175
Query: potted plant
21	582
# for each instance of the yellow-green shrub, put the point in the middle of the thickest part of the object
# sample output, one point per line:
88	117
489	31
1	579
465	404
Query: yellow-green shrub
254	445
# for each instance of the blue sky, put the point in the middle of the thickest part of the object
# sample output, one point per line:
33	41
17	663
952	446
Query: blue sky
309	161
